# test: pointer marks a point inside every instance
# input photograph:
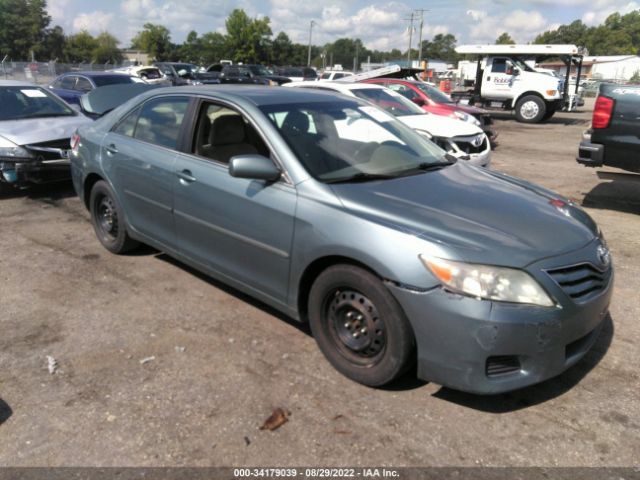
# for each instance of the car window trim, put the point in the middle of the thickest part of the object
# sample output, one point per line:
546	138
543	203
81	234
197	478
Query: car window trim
285	178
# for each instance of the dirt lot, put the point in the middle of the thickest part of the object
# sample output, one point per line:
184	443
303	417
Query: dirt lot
218	362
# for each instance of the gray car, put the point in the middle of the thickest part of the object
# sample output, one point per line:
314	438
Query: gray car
337	214
35	128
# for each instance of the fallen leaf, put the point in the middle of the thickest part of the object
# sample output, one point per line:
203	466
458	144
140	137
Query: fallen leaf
278	418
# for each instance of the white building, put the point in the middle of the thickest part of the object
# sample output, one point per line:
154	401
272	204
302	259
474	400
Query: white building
606	67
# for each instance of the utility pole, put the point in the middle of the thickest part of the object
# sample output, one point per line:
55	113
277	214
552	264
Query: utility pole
410	39
310	30
421	11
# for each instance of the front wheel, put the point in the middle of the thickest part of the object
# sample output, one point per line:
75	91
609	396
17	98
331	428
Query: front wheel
359	326
107	218
530	109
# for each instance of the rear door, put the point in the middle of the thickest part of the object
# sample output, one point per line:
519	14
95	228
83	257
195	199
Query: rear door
140	151
238	227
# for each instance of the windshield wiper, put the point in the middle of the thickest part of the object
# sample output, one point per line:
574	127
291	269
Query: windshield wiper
361	177
427	167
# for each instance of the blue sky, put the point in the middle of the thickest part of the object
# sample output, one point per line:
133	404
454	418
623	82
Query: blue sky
380	24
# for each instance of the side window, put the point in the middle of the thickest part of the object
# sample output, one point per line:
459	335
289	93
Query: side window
499	65
403	90
222	133
127	126
160	120
68	83
83	85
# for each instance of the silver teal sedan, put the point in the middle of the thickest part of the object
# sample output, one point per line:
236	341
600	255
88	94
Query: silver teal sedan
334	212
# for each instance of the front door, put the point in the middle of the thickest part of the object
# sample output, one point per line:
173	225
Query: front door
498	78
241	228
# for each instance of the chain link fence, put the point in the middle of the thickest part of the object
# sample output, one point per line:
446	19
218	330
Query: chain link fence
42	73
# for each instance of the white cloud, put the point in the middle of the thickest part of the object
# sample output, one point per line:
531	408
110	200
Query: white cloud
93	22
599	15
520	24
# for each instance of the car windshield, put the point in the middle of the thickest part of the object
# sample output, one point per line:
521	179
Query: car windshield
388	100
101	80
259	70
22	102
434	94
342	141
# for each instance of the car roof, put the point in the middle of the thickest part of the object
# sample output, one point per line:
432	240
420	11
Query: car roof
339	86
16	83
258	95
95	74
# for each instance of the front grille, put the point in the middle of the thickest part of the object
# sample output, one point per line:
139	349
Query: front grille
40	150
581	282
502	365
465	145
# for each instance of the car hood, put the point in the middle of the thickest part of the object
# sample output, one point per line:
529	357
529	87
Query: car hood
470	109
439	125
473	214
38	130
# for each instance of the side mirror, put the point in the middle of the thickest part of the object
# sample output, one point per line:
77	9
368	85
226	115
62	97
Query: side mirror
254	167
418	101
516	72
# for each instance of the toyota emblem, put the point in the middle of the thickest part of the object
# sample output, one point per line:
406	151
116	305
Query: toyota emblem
477	140
604	256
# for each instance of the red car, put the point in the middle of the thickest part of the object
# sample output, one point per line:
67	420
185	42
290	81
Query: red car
434	101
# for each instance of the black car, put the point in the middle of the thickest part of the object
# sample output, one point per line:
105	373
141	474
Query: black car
249	74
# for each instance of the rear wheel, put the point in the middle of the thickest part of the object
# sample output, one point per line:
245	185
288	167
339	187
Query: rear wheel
359	325
530	109
107	218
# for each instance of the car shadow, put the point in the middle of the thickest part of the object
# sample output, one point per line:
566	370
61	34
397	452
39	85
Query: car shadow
301	326
622	196
560	118
5	411
539	393
45	192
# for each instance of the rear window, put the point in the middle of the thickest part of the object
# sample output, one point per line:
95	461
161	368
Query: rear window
101	81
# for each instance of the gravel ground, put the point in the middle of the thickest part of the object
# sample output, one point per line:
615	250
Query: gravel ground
158	365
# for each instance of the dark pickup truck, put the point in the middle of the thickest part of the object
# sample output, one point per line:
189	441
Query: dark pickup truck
614	137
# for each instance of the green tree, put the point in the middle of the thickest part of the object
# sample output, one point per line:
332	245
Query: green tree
79	48
248	39
53	44
441	47
154	40
575	33
191	49
282	50
214	48
22	27
106	49
505	39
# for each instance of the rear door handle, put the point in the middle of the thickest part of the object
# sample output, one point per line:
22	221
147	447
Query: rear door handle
111	149
186	176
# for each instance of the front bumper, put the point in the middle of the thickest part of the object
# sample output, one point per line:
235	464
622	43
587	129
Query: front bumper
590	154
489	347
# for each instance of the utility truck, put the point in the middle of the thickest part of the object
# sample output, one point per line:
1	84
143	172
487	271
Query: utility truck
504	81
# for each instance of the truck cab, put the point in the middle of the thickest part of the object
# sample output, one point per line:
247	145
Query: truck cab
504	81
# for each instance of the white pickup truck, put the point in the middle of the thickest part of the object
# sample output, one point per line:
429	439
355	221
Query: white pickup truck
504	81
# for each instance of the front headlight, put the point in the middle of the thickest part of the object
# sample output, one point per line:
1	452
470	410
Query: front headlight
466	118
10	151
488	282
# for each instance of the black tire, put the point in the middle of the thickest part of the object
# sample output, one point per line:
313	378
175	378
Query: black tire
530	109
359	326
548	114
107	218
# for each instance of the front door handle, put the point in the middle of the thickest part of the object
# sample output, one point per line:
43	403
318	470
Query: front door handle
111	149
185	176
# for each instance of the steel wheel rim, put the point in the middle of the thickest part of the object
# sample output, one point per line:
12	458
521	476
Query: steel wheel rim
355	325
107	217
529	109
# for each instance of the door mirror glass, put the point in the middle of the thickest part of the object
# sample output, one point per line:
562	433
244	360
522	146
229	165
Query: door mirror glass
418	101
254	167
